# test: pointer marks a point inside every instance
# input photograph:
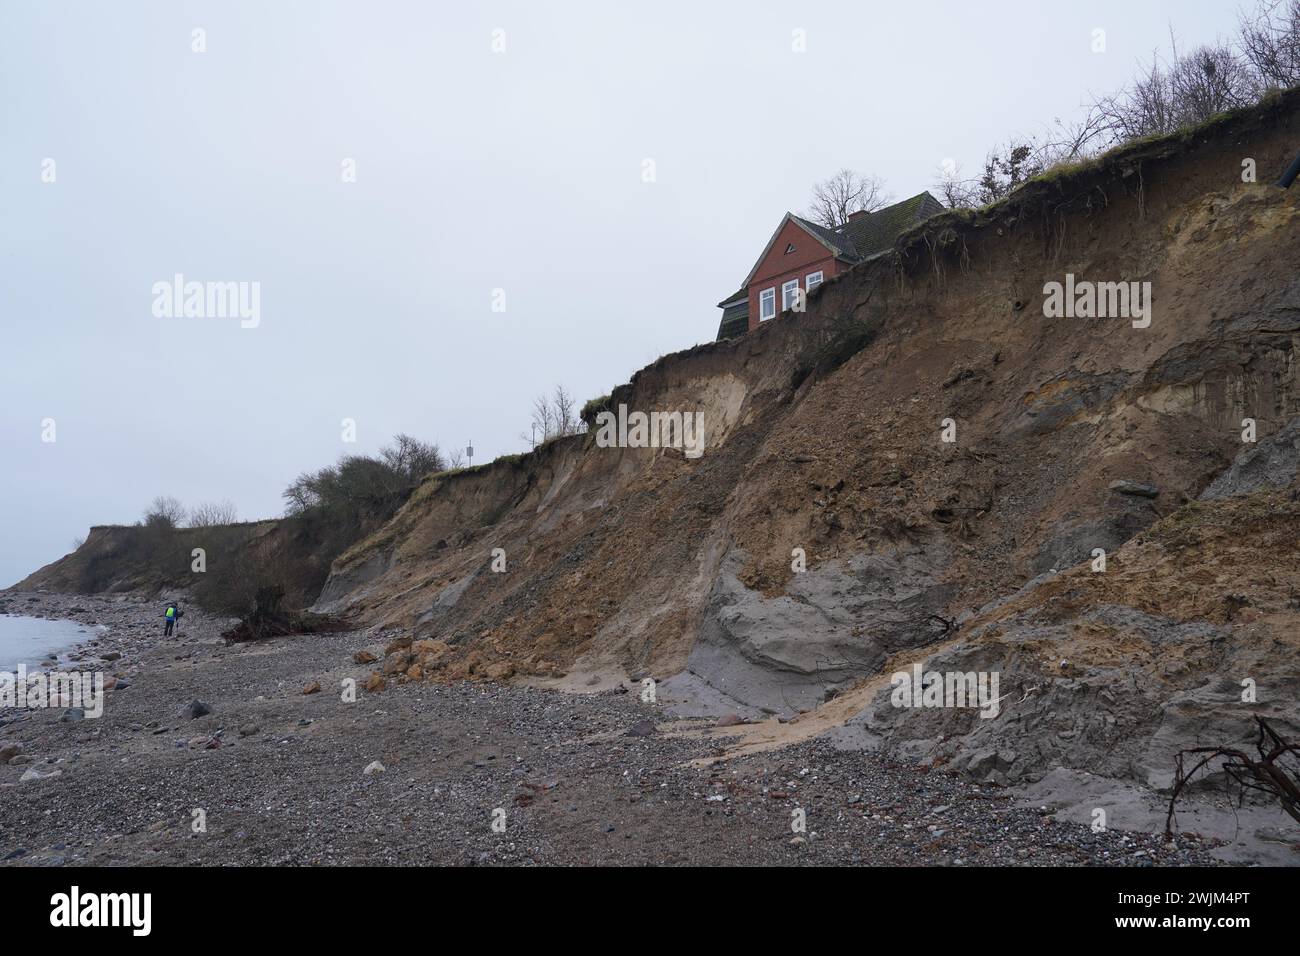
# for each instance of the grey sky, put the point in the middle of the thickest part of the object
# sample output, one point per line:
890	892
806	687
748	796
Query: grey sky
476	170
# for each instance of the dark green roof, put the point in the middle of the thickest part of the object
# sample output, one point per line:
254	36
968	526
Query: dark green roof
875	232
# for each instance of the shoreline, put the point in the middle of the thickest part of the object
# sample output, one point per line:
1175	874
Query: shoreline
280	772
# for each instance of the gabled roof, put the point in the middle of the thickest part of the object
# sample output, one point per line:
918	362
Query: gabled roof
832	239
823	235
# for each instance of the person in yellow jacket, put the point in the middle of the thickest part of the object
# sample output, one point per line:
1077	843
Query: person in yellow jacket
170	615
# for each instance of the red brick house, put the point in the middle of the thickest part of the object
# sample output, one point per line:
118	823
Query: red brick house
803	254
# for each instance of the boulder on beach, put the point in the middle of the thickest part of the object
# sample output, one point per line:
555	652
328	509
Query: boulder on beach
195	708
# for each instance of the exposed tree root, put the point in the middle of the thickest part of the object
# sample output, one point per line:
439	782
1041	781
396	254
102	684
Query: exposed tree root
1266	774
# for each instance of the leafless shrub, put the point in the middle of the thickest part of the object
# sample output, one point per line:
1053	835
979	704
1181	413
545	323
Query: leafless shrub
214	513
843	194
1143	109
1270	43
360	487
1208	81
411	458
1010	166
954	191
1072	142
164	512
1194	87
1170	93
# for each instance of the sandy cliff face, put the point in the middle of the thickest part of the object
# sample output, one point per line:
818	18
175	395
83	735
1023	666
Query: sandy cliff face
824	435
824	438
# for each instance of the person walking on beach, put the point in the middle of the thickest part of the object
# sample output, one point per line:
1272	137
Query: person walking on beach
170	615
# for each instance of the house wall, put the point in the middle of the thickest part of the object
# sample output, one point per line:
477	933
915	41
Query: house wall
777	266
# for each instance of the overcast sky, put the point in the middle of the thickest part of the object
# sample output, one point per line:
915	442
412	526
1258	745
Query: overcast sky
475	170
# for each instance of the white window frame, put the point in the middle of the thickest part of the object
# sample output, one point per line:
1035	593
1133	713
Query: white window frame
767	298
789	294
813	280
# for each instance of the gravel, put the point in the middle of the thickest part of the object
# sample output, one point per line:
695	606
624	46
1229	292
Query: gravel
470	773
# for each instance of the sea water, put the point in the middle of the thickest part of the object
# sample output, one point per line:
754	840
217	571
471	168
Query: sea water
30	640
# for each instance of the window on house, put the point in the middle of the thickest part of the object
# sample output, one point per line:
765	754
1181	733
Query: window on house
766	304
813	281
789	290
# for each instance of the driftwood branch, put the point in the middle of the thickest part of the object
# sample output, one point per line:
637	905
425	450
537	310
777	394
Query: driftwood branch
1265	772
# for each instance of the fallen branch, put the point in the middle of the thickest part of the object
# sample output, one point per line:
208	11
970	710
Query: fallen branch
1266	773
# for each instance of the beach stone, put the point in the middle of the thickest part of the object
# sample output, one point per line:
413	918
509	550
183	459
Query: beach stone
364	657
400	644
642	728
31	773
9	751
248	730
375	682
312	688
19	760
397	662
71	714
373	768
195	708
729	720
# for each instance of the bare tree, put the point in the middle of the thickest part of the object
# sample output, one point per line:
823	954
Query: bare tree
1193	88
845	193
214	513
1207	81
554	417
164	512
1270	43
412	459
1071	142
1144	109
954	191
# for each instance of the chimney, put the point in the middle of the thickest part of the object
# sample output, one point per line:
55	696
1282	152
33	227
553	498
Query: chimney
858	215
